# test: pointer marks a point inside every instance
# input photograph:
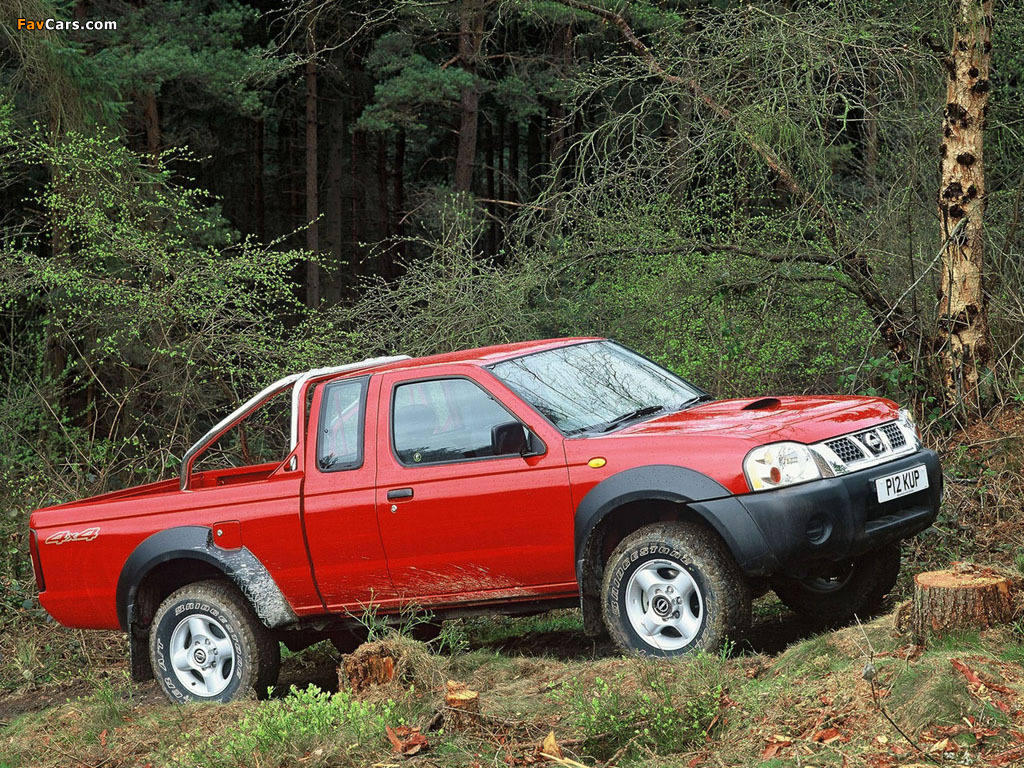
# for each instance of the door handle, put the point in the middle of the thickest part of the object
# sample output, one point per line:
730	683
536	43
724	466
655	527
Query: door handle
399	493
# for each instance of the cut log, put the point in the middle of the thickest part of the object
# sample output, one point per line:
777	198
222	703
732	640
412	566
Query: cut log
462	705
369	665
957	600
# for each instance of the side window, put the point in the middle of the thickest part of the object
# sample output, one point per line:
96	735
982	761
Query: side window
339	439
444	420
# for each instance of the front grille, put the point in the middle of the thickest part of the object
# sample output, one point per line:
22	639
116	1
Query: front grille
859	450
846	449
895	435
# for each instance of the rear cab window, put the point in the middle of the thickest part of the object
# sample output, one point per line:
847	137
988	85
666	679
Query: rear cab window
339	434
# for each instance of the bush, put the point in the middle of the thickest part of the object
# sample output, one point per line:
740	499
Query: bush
664	708
281	731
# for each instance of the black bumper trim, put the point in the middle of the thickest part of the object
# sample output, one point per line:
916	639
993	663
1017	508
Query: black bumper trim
843	510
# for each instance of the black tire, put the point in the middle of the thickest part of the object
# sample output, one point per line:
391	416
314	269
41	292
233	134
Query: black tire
347	640
724	594
860	589
256	657
426	631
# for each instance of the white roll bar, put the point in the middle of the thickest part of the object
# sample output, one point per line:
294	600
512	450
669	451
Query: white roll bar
297	381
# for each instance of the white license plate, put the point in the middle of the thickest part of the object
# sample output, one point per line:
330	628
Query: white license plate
902	483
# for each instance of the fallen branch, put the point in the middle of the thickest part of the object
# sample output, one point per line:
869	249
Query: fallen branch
870	674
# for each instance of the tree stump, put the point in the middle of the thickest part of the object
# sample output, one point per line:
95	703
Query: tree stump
369	665
959	599
462	706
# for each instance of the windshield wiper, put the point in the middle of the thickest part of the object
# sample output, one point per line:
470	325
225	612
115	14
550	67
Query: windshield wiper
697	400
647	410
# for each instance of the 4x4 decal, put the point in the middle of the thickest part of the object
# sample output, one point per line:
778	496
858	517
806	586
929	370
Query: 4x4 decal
63	537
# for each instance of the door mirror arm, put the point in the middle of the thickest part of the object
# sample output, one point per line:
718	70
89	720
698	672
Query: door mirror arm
514	437
534	446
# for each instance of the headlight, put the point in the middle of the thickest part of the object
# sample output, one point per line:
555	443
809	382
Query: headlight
778	464
906	420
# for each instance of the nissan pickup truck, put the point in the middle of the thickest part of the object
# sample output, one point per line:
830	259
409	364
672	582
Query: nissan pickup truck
508	479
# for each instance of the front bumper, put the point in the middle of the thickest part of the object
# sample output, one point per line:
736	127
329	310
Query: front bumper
834	518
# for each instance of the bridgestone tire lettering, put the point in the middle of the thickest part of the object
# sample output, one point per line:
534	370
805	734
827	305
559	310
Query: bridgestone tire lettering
257	655
725	593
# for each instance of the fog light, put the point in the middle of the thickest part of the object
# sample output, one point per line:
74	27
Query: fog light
819	528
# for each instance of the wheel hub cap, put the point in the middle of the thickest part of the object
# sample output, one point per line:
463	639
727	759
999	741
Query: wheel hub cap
664	605
661	605
202	656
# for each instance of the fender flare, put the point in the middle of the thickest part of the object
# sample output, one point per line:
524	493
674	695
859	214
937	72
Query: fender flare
704	496
194	542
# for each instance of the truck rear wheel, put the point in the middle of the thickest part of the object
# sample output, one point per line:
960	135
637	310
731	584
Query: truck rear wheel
854	587
671	589
206	644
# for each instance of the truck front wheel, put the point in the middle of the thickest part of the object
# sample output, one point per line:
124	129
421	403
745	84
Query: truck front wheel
206	644
841	590
671	589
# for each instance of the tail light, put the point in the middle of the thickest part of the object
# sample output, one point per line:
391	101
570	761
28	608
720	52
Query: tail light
33	550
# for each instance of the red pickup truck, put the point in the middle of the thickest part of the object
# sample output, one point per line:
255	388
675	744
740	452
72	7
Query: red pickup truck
507	479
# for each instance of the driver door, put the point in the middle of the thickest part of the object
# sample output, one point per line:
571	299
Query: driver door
458	516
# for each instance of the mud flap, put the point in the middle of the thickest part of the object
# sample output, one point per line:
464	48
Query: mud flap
138	654
593	624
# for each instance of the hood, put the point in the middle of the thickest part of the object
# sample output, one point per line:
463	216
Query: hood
805	419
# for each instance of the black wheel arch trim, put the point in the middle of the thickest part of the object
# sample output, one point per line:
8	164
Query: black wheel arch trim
704	496
195	542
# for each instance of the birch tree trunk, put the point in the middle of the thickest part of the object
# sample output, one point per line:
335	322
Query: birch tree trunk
963	337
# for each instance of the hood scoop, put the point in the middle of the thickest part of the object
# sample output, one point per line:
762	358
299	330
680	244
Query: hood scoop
763	404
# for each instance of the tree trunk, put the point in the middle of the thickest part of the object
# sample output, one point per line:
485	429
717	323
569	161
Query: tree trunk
383	201
152	121
962	340
471	30
871	106
259	212
312	201
492	230
534	160
961	599
288	171
502	170
398	185
513	161
462	706
334	214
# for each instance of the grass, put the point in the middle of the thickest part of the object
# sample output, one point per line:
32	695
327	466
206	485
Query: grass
308	724
722	709
495	630
649	706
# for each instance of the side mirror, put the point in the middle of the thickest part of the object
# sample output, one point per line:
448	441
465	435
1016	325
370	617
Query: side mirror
513	437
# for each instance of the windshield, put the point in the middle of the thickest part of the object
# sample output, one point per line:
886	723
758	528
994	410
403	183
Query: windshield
595	386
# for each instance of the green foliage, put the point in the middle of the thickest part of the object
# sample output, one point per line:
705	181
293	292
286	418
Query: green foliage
281	731
150	297
452	298
137	317
153	50
452	639
409	83
112	701
660	709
